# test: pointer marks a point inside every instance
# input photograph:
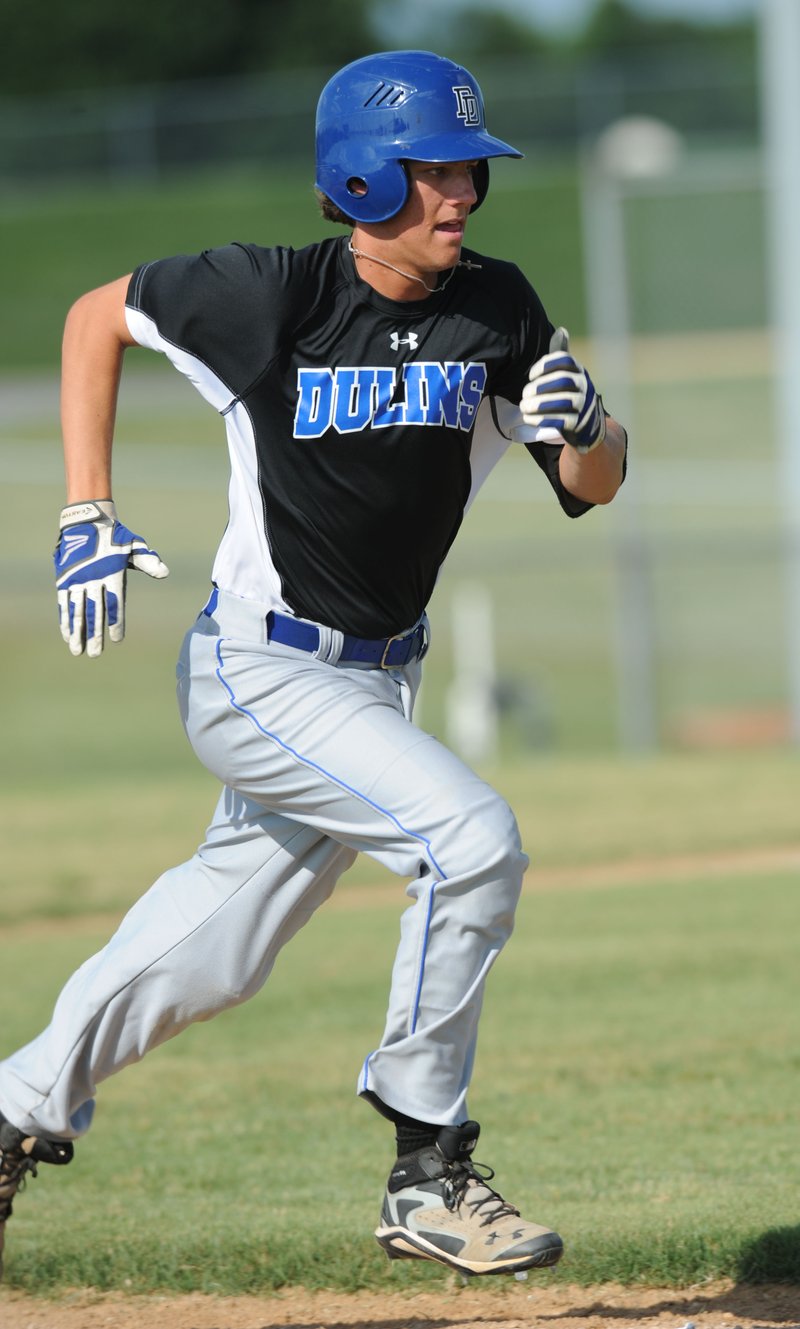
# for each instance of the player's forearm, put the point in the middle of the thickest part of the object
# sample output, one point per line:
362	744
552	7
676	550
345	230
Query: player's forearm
95	337
597	475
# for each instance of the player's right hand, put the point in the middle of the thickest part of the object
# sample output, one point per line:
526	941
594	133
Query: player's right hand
560	400
92	558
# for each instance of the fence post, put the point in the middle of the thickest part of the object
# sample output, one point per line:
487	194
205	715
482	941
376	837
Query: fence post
630	149
471	701
780	93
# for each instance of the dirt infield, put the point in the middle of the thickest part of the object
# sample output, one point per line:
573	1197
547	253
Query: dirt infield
505	1305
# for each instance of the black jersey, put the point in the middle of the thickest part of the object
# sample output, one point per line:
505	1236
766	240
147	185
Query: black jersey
358	427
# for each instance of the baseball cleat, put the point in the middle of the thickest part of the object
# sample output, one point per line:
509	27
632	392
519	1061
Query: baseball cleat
19	1155
439	1207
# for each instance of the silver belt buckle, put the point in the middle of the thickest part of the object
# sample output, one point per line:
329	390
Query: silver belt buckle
402	636
397	637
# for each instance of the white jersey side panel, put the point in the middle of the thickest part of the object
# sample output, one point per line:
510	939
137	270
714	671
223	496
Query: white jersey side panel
493	437
243	564
144	330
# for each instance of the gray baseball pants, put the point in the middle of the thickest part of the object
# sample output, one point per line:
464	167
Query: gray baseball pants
319	761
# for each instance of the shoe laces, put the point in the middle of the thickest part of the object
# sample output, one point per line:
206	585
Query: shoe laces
461	1178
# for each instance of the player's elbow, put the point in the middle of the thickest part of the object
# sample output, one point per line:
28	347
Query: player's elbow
602	494
597	489
595	477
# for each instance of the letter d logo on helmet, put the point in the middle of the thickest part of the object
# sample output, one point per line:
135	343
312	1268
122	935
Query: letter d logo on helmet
393	107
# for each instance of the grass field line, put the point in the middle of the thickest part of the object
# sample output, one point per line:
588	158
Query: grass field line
672	867
640	871
655	871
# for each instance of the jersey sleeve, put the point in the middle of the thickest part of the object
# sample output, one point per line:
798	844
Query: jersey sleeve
215	315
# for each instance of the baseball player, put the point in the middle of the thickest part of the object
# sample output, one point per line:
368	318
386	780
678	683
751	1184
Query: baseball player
367	384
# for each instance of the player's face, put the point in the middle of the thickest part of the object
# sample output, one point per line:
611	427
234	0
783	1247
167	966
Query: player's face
438	206
427	234
433	221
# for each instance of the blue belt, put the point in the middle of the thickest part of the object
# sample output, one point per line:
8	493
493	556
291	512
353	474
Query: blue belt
386	652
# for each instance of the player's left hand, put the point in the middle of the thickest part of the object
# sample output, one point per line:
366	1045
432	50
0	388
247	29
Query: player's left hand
560	401
92	558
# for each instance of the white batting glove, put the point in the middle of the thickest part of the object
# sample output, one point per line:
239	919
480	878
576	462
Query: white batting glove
92	558
560	400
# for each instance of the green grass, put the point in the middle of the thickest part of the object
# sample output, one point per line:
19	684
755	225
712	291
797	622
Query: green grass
636	1083
682	256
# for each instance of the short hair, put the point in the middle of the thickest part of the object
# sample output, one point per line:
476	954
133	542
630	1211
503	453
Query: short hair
331	212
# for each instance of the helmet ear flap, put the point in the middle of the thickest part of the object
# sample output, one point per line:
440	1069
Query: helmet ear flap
368	190
480	179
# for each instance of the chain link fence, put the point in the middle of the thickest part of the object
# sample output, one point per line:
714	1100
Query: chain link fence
547	107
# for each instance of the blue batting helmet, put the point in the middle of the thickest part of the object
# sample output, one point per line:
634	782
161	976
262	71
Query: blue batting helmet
387	108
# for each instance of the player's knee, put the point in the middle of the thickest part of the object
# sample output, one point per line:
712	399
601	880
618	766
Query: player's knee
503	844
487	847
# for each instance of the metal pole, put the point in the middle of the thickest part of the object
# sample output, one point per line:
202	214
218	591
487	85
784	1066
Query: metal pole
609	326
471	702
780	96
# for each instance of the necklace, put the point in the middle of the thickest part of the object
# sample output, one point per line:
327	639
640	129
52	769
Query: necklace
432	290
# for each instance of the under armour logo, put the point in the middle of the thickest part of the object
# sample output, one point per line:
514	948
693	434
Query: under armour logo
411	341
496	1236
468	107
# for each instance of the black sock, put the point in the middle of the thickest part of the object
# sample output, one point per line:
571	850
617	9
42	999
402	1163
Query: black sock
412	1135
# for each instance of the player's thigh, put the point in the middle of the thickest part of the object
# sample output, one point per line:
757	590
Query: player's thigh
332	748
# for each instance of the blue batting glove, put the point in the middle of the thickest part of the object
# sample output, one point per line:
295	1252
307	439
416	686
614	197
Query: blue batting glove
560	401
92	558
